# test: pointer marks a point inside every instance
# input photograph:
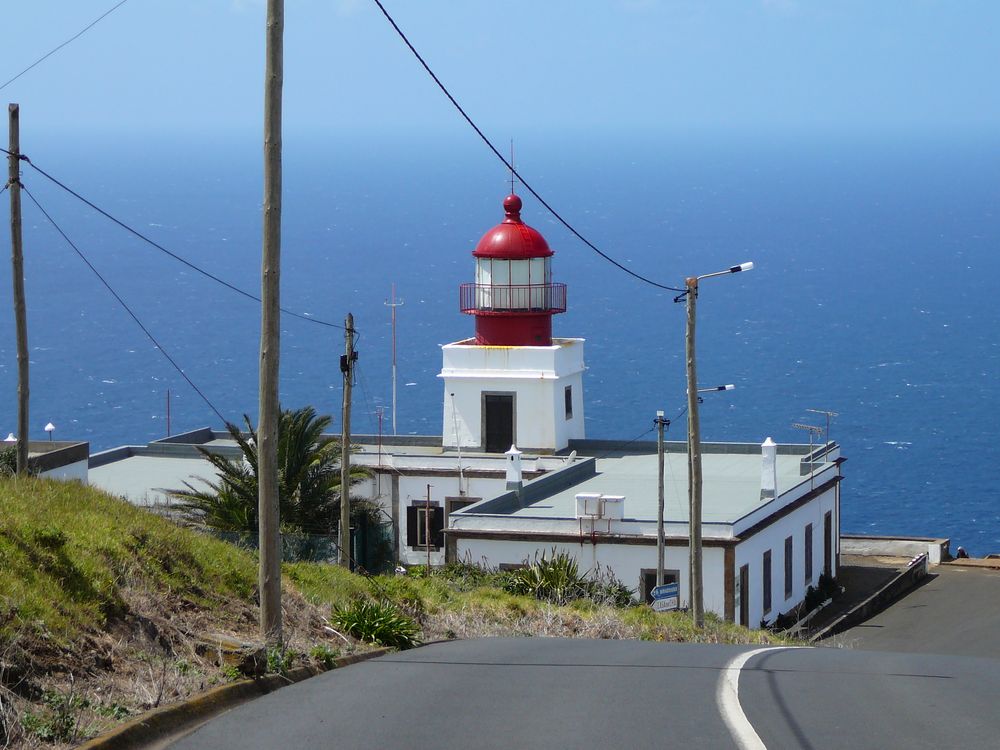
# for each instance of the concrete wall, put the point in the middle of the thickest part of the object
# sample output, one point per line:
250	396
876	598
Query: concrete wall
536	375
857	544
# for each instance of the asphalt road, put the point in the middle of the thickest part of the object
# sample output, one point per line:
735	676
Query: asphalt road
955	612
561	693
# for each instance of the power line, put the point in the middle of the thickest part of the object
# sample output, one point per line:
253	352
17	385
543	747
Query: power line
164	250
510	166
76	36
124	305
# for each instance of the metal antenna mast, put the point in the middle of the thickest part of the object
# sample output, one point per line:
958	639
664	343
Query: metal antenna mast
393	305
511	166
813	431
829	415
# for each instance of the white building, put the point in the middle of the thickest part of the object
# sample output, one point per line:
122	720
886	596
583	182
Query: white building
761	553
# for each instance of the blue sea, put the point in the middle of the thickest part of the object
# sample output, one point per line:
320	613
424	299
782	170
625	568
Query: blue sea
875	292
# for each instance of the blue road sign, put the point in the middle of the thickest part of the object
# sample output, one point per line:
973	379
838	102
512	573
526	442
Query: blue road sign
666	591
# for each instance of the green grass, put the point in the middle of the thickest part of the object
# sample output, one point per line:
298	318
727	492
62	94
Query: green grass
67	551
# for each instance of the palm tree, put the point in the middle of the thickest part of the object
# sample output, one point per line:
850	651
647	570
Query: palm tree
308	480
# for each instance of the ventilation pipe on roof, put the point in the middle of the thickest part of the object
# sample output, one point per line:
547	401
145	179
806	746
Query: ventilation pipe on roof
768	470
515	479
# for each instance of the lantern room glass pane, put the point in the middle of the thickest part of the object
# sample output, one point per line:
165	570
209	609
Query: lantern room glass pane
519	270
483	270
484	276
501	284
539	278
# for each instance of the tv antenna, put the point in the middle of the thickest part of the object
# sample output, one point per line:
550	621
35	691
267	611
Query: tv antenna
829	415
813	431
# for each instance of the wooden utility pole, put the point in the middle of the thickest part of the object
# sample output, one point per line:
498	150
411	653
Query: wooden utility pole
347	368
694	461
269	577
17	266
660	424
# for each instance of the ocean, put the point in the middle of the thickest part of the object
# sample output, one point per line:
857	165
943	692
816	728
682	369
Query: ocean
874	294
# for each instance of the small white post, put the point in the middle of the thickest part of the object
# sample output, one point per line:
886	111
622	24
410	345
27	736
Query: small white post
768	470
515	478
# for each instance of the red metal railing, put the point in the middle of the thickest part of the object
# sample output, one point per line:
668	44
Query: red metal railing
506	299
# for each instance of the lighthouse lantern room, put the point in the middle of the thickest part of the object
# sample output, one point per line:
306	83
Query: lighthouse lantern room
513	383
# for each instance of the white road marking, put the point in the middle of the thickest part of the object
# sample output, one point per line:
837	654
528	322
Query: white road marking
727	695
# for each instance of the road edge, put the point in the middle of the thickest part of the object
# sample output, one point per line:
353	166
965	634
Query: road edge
161	722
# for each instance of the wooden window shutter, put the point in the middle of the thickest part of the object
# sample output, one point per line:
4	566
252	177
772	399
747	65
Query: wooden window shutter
411	526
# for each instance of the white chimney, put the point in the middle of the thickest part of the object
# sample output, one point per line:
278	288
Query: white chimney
768	470
515	479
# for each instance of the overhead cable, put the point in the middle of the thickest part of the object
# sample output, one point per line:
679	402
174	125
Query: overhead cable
125	306
76	36
510	166
164	250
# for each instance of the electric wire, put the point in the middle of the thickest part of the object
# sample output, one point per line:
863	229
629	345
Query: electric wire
161	248
510	166
73	38
124	305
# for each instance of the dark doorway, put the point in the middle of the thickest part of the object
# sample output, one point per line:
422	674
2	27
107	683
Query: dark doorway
828	544
648	582
745	596
498	418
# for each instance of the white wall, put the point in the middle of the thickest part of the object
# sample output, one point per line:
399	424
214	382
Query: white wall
626	560
537	375
78	471
413	492
751	552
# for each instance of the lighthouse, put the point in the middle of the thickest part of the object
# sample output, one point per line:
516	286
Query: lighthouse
512	383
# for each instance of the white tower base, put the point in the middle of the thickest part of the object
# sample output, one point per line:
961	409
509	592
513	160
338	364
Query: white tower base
531	396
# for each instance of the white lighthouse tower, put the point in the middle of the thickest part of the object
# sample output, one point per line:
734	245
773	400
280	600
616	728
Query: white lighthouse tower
513	384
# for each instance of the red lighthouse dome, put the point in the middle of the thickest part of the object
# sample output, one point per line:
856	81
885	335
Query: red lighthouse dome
513	297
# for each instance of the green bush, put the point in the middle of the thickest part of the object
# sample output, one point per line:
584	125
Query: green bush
377	622
280	660
556	578
324	655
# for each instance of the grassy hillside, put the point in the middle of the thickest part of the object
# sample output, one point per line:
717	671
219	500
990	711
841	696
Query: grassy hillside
107	611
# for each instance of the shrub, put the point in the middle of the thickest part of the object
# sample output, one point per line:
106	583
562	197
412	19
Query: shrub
556	578
60	722
377	622
324	655
280	660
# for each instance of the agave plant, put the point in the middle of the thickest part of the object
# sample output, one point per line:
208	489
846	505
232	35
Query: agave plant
377	622
308	479
555	578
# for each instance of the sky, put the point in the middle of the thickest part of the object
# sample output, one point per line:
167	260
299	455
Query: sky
196	66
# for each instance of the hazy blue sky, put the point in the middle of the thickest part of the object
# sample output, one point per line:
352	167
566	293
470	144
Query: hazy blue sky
183	65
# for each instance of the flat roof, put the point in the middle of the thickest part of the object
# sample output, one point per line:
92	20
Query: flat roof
142	479
730	487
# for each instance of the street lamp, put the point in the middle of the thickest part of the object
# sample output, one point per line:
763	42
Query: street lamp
694	443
